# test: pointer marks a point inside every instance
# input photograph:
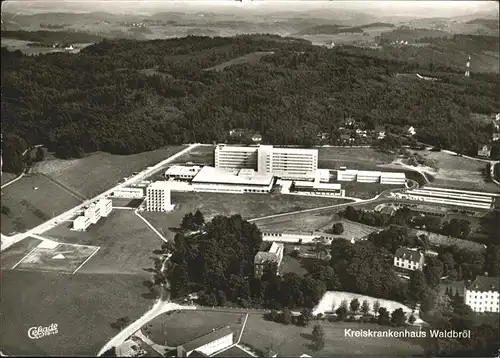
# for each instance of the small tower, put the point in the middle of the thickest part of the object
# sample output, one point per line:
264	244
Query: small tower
467	67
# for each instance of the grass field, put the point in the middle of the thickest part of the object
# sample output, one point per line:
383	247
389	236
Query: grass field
353	229
30	207
16	252
179	327
83	306
366	190
352	158
459	173
302	222
437	239
201	155
7	177
126	242
63	258
292	264
98	172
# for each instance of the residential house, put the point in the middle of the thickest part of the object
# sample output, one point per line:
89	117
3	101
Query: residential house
409	259
484	151
275	254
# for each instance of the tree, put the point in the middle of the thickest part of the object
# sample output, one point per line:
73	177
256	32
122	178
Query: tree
411	319
376	307
286	316
398	317
492	262
188	222
341	313
433	272
120	323
109	353
365	307
318	335
417	286
354	305
40	154
5	210
305	317
338	228
198	219
383	316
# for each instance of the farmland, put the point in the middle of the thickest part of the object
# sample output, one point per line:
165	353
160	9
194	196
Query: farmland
32	200
126	242
460	173
99	171
83	307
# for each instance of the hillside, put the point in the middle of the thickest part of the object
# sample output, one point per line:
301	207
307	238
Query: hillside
329	30
82	103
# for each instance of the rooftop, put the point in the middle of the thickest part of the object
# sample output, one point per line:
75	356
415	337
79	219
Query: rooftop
215	175
159	185
485	283
408	254
276	247
182	170
234	351
207	338
393	175
263	256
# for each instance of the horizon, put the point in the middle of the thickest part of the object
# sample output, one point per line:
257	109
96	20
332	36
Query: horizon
422	9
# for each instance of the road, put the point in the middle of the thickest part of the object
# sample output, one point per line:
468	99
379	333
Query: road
8	241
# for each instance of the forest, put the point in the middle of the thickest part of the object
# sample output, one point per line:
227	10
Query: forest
103	99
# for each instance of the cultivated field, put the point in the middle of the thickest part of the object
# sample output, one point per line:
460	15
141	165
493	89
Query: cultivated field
98	172
292	341
178	327
83	307
63	258
29	207
250	58
352	158
460	173
126	243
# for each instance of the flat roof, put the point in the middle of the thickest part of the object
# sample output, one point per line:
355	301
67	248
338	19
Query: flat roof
219	176
236	149
81	218
393	175
369	173
159	185
182	170
234	351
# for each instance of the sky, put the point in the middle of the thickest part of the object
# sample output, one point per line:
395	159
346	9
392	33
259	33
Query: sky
433	8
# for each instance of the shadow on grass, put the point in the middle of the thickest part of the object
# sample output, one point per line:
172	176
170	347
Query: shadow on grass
307	336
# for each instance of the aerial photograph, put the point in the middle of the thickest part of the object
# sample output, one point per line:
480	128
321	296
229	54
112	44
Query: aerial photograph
250	178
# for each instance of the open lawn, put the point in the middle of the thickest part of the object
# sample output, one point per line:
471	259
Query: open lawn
16	252
201	155
353	229
292	264
83	307
178	327
126	242
352	158
438	240
29	207
247	205
459	173
63	258
292	341
366	190
98	172
300	222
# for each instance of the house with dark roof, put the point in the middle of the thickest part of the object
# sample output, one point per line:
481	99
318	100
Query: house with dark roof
409	259
207	344
482	294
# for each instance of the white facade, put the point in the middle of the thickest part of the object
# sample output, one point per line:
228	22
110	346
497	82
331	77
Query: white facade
182	172
129	193
81	223
296	236
364	176
393	178
105	207
483	294
347	175
211	179
233	157
410	259
158	197
277	249
93	212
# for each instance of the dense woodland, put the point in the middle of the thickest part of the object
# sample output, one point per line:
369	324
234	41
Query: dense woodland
215	260
103	99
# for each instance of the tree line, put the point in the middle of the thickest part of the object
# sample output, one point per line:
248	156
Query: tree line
126	96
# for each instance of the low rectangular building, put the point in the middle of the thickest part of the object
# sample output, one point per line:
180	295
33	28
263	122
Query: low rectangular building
393	178
81	223
409	259
347	175
211	179
181	172
129	193
208	344
482	294
364	176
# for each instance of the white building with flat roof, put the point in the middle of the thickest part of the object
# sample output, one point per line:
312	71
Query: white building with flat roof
93	212
129	193
105	207
235	157
393	178
81	223
158	197
181	172
211	179
365	176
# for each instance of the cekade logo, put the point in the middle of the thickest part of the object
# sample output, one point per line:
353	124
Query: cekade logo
40	332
